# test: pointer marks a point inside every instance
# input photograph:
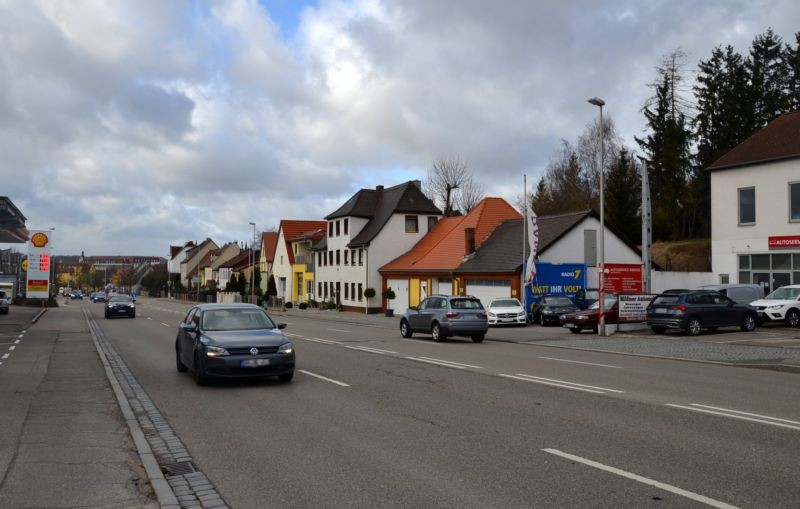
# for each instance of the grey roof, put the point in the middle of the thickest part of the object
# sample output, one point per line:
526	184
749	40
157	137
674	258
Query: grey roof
378	205
500	252
321	244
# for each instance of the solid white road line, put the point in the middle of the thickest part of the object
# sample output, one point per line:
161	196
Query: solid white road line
165	324
5	355
450	362
549	383
580	362
437	363
604	389
318	340
371	350
735	414
324	378
340	330
644	480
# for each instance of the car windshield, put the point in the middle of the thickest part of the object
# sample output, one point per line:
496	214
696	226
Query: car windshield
120	298
609	303
557	301
505	303
236	319
666	299
592	295
784	293
466	304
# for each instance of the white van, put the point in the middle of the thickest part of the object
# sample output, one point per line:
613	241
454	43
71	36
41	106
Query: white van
739	293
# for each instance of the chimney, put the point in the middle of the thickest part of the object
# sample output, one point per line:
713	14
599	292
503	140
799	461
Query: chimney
469	241
417	183
379	188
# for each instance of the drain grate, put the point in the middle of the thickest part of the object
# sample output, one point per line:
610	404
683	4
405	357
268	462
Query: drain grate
181	468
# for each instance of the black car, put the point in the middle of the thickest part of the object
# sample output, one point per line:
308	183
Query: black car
233	340
696	310
120	305
549	308
98	297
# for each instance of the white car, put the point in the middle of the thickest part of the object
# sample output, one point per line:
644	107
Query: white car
3	303
781	305
506	312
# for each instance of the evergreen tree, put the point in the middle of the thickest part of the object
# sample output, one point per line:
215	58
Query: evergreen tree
272	289
242	284
623	197
792	59
542	199
256	276
233	284
768	78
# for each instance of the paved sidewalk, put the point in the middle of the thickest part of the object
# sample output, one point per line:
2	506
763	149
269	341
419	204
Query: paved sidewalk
64	441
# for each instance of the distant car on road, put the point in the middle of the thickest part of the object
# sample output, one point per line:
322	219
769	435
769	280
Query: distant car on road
697	310
550	307
98	297
442	316
76	294
588	319
233	340
506	312
781	305
120	305
4	304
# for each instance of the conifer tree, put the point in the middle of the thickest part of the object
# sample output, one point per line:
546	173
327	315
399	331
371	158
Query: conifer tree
623	197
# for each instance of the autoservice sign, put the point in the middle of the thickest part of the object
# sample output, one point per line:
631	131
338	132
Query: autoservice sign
623	277
784	242
39	249
633	307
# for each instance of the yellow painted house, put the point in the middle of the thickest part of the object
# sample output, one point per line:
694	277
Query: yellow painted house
303	268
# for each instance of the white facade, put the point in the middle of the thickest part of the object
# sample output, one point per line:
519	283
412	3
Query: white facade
740	253
174	263
282	269
388	244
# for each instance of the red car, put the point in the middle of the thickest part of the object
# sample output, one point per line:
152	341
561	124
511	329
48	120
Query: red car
588	318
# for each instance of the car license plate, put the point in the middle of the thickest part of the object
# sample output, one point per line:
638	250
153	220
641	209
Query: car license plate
254	363
568	325
661	310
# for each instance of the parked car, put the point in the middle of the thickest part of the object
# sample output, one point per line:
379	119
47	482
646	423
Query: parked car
739	293
696	310
233	340
4	304
585	298
120	305
550	307
442	316
506	312
781	305
588	319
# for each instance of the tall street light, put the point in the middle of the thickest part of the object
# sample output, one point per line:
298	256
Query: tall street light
252	263
596	101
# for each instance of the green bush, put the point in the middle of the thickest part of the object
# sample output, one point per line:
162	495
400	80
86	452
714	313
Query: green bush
388	294
303	305
289	305
369	293
331	305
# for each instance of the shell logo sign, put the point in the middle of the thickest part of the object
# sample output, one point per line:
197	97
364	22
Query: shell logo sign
39	239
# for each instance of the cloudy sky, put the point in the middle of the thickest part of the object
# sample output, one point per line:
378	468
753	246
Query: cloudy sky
130	125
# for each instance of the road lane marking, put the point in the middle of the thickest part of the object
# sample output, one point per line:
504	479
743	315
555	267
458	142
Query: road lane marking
644	480
736	414
604	389
149	318
16	342
371	350
165	324
552	384
324	378
446	364
20	336
318	340
580	362
340	330
11	348
450	362
291	335
5	355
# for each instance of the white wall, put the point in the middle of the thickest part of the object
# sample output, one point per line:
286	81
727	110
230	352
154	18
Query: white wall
282	268
662	281
174	264
728	239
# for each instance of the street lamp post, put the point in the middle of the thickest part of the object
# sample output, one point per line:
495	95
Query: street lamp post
596	101
252	265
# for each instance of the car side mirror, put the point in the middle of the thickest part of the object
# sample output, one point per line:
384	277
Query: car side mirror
189	327
281	325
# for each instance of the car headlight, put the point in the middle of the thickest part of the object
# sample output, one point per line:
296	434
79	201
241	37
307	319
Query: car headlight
286	348
491	314
521	314
582	317
777	306
547	312
215	351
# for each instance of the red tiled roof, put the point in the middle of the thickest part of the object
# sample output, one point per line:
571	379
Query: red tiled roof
780	139
293	228
443	247
269	241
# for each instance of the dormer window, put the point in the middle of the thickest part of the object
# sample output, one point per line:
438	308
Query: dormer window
412	224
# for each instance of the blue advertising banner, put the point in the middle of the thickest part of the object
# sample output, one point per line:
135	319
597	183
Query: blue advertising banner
562	278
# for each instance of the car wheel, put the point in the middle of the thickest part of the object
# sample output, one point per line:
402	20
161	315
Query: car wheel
792	318
478	338
200	377
180	365
693	326
574	330
405	329
286	377
659	330
436	333
749	323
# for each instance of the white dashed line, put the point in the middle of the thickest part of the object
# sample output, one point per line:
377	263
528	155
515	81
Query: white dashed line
165	324
561	383
580	362
11	348
644	480
149	318
5	355
450	362
340	330
20	336
318	340
16	342
736	414
371	350
324	378
446	364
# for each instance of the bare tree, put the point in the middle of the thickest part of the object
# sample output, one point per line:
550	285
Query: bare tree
445	176
470	194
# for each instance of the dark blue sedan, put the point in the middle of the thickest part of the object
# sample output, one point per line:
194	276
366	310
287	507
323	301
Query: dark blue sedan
693	311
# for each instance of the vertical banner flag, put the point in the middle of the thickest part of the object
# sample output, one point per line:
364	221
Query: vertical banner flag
533	244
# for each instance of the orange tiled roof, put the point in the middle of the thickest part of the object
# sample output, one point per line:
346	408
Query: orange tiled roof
442	249
269	241
293	228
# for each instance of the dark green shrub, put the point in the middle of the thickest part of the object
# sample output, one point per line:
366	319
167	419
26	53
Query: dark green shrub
303	305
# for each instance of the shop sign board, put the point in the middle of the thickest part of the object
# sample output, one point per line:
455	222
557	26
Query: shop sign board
623	278
38	270
633	307
784	242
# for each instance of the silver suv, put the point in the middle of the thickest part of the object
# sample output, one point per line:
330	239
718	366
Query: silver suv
446	315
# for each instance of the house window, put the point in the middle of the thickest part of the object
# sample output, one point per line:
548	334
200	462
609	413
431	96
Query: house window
747	205
325	295
353	291
345	256
432	220
338	258
319	289
346	291
281	259
360	257
330	229
724	279
309	287
319	259
338	290
360	292
353	257
412	225
330	257
345	226
338	232
794	201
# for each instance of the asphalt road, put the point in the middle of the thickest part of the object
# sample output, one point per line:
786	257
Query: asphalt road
374	420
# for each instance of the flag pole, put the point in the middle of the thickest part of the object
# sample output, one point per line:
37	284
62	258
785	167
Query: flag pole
524	240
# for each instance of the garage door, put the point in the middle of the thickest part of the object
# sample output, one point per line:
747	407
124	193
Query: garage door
488	289
445	286
400	302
